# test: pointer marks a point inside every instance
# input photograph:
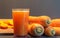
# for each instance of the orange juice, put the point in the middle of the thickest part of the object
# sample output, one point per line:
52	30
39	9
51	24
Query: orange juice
20	20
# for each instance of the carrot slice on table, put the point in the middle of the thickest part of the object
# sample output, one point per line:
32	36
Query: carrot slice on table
9	22
3	26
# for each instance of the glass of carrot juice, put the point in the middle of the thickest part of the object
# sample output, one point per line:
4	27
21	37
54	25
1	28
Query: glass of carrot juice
20	21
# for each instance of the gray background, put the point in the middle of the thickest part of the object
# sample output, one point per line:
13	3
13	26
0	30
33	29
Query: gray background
37	7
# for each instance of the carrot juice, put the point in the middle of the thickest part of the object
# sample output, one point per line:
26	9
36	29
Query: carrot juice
20	20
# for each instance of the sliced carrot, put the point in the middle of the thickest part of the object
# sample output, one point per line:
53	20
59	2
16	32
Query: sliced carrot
10	27
55	23
3	26
57	29
35	29
43	20
9	22
49	31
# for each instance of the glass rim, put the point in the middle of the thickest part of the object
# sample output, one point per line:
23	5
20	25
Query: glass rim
21	9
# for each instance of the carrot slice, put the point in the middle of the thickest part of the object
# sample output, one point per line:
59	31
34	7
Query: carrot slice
3	26
9	22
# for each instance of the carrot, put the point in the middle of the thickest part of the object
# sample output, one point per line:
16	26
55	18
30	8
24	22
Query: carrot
49	31
35	29
33	19
43	20
57	30
55	23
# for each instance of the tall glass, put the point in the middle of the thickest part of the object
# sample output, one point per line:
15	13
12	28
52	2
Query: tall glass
20	20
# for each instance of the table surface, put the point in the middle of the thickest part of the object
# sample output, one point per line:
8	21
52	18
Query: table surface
11	36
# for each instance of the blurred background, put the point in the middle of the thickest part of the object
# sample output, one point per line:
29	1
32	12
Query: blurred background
37	7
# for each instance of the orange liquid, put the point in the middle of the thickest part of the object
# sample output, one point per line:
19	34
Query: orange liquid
20	20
